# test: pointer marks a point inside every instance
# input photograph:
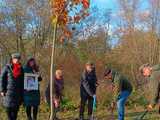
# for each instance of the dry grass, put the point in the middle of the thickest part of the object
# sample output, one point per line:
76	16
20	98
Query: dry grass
102	114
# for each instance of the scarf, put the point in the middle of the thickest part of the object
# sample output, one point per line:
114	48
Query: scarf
17	70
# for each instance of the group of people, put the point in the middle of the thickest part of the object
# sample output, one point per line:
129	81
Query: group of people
12	89
13	92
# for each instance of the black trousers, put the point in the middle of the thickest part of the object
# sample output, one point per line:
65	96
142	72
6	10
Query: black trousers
30	110
84	100
12	112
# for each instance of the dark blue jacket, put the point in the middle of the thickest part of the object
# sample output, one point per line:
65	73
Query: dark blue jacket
13	88
88	83
58	90
31	98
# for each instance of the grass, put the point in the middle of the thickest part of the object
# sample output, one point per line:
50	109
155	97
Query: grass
102	114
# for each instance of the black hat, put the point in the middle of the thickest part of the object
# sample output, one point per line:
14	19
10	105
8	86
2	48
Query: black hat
16	55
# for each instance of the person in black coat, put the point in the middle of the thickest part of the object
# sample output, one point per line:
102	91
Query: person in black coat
88	89
11	86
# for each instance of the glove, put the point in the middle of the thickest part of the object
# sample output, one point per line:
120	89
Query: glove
149	107
113	105
94	97
94	102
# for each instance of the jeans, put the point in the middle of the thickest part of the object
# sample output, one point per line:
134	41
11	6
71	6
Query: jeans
122	98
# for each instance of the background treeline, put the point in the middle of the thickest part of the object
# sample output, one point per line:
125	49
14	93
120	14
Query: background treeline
123	40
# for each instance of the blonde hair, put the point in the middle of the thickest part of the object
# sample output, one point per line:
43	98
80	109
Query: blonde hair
59	72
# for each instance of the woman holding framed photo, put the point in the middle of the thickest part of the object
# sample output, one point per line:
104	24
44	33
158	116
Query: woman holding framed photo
31	89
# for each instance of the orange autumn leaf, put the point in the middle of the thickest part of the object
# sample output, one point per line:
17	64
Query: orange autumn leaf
62	39
77	18
68	34
86	3
76	2
62	8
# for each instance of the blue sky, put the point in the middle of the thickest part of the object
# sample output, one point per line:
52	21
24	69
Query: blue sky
103	4
112	4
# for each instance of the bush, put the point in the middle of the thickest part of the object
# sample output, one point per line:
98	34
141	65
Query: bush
67	104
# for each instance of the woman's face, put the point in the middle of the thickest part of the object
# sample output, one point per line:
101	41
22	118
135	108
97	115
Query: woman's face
31	63
89	68
147	71
15	60
59	74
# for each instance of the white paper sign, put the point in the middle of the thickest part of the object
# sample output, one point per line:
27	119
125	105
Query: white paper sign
30	81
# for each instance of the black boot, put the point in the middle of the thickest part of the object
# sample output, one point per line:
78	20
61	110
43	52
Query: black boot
34	118
81	117
90	117
29	118
56	118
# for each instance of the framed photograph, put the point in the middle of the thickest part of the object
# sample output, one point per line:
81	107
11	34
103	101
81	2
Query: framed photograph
30	81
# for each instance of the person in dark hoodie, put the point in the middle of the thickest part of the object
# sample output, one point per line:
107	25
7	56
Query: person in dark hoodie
32	97
122	89
88	89
58	92
11	86
153	75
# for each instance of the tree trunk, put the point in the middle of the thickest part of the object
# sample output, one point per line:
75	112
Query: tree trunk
52	71
17	45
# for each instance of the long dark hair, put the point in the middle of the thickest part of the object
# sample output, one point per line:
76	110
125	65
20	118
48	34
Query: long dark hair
35	66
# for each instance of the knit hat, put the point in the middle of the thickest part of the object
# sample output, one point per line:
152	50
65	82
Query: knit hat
16	55
89	63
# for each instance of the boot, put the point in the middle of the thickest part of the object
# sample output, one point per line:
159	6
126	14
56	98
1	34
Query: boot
91	117
56	118
34	118
81	118
29	118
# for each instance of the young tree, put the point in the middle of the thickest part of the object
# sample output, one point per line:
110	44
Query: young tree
64	12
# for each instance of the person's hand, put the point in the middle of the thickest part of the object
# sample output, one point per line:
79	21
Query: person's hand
2	94
113	105
97	84
149	107
94	96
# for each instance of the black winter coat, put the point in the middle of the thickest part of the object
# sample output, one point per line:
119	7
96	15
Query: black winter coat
13	88
88	84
